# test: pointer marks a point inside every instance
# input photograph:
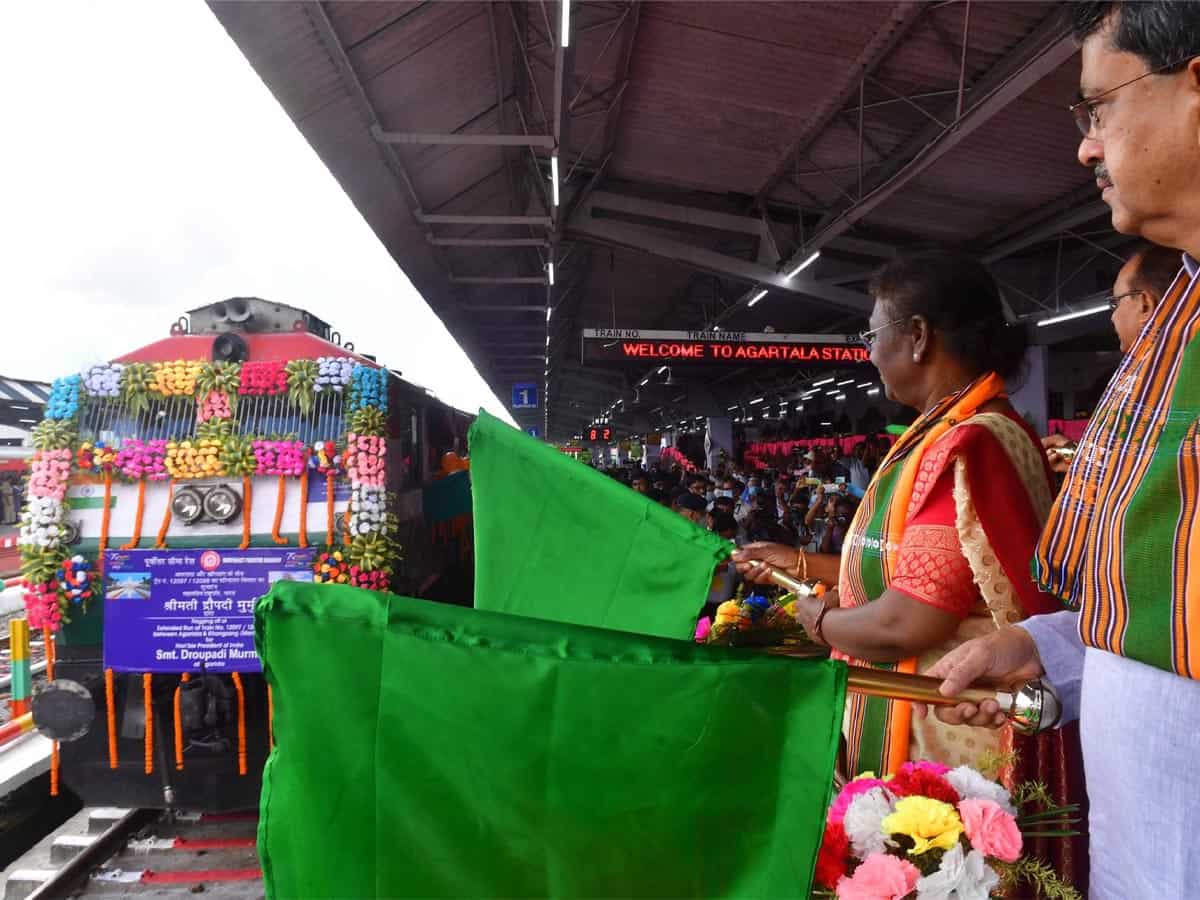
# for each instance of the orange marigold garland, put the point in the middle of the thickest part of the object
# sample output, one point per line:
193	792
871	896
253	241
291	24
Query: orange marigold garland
246	494
105	516
161	542
279	501
148	703
111	711
137	517
48	642
241	698
329	516
302	538
346	522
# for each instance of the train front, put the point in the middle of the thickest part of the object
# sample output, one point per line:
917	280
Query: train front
168	491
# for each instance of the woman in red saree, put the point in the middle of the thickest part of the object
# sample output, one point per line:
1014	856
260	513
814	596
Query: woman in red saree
940	549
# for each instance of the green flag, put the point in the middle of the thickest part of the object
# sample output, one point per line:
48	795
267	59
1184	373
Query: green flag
558	540
432	751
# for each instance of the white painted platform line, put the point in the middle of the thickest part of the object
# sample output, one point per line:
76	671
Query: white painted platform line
22	761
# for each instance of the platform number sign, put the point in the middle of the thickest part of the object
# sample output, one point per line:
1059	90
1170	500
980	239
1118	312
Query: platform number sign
533	431
525	395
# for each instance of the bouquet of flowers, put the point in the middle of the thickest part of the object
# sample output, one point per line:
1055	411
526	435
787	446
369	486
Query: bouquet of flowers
74	579
752	621
368	388
280	457
365	459
324	458
139	459
335	568
96	458
175	379
934	833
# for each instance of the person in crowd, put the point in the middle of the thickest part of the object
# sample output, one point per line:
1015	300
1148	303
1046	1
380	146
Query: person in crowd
1120	548
690	506
905	587
856	465
641	483
724	524
1139	288
841	510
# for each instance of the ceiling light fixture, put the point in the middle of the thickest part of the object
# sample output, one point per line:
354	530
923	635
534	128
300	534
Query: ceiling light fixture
554	178
823	382
757	297
864	384
550	271
565	37
804	265
847	381
1078	314
757	400
872	392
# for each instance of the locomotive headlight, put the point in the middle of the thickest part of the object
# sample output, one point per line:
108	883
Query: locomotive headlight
222	504
187	506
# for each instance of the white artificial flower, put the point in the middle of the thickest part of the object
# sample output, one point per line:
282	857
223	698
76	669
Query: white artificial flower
959	877
973	786
864	821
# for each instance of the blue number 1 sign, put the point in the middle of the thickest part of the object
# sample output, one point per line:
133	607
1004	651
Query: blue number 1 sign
525	396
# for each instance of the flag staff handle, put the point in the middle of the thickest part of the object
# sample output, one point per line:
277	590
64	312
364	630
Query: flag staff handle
1031	706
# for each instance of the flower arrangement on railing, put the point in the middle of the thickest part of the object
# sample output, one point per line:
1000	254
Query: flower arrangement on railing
368	387
175	379
263	378
200	458
41	534
41	523
54	434
333	373
138	459
220	430
213	405
335	568
96	459
75	581
136	380
103	380
368	509
279	458
64	397
365	459
934	833
49	471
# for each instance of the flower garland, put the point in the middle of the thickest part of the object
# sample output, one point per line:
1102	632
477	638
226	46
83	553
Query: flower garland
195	459
64	397
213	405
333	373
175	379
302	383
368	388
284	458
263	378
365	459
103	380
138	459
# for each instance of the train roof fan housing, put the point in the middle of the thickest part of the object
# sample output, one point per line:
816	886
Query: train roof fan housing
253	315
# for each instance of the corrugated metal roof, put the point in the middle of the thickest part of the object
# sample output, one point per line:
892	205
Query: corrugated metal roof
747	110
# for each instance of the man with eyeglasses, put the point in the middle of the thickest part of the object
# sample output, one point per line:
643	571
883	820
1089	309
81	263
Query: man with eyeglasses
1139	288
1122	546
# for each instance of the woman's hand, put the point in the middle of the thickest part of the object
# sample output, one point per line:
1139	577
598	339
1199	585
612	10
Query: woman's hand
754	561
1053	444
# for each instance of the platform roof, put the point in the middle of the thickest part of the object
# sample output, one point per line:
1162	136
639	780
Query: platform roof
702	151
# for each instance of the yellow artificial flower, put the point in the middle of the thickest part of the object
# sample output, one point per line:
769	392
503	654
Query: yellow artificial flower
930	823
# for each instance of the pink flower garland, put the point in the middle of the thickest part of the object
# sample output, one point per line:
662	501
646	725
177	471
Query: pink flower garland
41	605
365	459
48	474
213	406
280	457
268	377
139	459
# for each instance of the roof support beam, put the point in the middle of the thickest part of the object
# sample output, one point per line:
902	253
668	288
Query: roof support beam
488	242
475	140
646	240
1043	50
440	219
498	279
846	88
1046	229
505	307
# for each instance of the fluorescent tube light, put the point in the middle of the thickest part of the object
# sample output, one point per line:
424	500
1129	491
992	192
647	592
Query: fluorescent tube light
1079	314
757	297
804	265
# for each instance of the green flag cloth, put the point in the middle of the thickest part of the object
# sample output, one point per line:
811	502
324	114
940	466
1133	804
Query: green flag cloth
425	750
557	540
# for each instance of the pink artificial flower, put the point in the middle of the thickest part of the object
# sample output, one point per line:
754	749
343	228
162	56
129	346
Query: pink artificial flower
991	830
925	765
703	627
880	877
837	812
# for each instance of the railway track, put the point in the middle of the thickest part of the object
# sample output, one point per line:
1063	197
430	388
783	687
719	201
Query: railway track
142	853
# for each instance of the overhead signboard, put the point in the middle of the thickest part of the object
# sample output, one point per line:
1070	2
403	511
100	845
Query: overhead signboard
525	395
533	431
738	348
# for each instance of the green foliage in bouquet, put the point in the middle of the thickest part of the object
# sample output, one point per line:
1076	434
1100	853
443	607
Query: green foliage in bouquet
135	387
40	564
217	430
367	420
302	379
755	621
237	456
55	434
374	551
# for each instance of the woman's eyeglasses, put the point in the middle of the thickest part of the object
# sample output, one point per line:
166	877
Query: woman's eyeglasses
1115	300
869	338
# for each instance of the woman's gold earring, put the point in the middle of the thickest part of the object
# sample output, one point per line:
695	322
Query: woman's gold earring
916	357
